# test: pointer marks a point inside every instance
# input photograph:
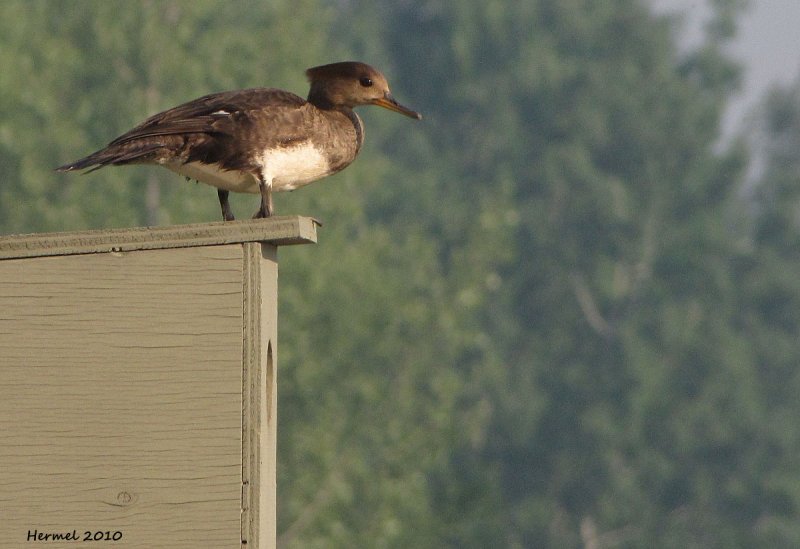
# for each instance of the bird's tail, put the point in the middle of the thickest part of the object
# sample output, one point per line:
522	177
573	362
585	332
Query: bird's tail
113	155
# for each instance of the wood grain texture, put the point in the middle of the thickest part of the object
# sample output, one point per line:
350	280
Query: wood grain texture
259	391
121	395
274	230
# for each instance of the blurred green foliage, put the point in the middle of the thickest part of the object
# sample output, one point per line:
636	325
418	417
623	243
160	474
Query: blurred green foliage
548	315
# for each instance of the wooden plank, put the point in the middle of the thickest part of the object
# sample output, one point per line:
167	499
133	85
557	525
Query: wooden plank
259	456
275	230
121	396
268	408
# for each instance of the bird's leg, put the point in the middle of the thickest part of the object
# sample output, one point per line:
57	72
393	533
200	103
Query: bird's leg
266	199
227	214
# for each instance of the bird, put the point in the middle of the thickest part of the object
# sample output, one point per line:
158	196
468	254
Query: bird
257	140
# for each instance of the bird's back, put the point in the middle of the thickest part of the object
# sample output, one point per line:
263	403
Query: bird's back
216	128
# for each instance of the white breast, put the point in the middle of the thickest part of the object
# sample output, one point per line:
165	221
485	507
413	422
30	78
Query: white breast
291	167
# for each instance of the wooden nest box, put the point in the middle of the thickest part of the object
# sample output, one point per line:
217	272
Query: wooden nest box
138	385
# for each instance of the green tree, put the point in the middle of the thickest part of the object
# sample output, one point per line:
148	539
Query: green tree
768	316
624	404
77	74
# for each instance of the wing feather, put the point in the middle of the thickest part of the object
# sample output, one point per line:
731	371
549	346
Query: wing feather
217	113
221	128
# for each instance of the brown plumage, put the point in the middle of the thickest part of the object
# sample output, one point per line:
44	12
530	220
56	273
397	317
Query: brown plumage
257	140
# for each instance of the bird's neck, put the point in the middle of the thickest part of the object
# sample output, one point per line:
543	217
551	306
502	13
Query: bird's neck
319	96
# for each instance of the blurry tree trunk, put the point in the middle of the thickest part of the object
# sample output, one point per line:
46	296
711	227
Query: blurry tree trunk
152	200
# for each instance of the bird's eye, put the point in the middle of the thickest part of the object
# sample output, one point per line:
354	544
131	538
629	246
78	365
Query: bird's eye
366	81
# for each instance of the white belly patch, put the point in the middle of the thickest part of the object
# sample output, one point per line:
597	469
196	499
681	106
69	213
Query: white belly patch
292	167
287	168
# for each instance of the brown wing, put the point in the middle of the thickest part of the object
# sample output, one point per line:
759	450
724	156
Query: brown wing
223	112
222	128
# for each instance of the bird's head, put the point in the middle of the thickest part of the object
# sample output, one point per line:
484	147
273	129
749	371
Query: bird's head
350	84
